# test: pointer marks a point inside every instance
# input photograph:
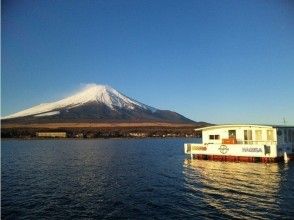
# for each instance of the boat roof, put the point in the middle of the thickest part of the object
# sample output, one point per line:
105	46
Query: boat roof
241	125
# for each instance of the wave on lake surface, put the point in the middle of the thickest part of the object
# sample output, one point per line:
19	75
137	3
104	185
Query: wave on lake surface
136	179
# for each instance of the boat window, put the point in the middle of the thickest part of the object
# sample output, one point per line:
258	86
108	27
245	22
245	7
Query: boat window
258	135
289	136
285	136
248	136
270	136
214	137
232	133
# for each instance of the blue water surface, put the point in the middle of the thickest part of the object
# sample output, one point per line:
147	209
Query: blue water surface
136	179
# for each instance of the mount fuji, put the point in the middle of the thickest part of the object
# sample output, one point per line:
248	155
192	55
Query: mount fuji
95	103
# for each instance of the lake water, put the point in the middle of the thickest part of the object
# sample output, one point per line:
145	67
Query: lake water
136	179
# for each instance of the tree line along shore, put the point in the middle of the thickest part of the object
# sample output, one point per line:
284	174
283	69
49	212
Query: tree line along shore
99	132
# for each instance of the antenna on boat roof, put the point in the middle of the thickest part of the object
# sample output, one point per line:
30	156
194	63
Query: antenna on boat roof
284	120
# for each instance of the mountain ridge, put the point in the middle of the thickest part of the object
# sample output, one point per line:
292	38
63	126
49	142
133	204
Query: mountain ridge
95	103
92	93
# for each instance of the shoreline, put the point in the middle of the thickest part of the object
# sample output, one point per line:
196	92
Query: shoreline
98	130
107	138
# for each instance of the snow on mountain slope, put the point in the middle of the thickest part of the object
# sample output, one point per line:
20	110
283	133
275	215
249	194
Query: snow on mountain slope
92	93
47	114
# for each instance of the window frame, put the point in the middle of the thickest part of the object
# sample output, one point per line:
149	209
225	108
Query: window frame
258	137
214	137
234	132
248	137
269	133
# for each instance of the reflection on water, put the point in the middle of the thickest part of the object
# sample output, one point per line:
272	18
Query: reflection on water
238	190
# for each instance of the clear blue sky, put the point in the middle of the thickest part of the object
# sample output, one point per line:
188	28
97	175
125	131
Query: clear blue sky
215	61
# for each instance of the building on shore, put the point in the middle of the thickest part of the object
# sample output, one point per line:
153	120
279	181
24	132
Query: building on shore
51	134
138	134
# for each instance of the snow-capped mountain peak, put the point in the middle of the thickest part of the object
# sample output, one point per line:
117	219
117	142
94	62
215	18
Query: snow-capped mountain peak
91	93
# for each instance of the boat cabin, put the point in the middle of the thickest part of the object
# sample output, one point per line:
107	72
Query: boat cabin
244	143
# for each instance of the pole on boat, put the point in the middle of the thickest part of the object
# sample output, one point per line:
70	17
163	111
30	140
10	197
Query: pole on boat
285	157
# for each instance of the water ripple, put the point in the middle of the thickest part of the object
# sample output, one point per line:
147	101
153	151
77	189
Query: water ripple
238	190
136	179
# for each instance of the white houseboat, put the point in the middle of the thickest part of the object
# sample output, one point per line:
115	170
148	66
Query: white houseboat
250	143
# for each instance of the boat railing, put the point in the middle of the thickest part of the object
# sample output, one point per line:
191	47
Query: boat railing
265	142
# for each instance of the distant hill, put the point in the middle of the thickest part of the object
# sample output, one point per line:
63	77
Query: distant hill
96	104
